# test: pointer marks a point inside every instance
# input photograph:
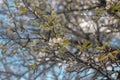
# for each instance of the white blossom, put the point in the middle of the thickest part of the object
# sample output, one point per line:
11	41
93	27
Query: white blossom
53	41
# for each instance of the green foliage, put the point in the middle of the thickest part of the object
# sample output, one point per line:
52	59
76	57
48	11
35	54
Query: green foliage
115	8
35	24
33	67
23	10
66	43
16	2
80	48
85	45
100	11
107	53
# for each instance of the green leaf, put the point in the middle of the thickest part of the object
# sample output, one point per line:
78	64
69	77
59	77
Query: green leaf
80	48
100	48
66	42
35	9
23	9
35	24
111	56
32	67
85	42
102	56
116	52
15	1
90	46
106	44
30	48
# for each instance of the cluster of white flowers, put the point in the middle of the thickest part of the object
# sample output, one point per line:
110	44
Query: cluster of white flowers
53	41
